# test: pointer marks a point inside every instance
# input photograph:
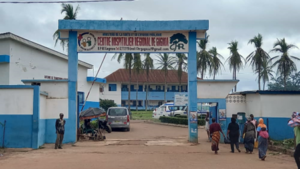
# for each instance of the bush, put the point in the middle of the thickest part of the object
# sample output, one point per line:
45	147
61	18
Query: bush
105	104
176	120
94	124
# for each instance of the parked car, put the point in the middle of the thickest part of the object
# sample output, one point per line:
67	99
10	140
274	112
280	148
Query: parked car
165	110
178	110
118	117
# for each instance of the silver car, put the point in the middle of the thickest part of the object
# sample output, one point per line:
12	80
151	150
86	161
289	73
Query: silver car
118	117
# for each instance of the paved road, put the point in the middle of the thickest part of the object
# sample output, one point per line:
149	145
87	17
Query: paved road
145	146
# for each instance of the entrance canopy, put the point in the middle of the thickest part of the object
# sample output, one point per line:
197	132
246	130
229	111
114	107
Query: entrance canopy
107	36
133	36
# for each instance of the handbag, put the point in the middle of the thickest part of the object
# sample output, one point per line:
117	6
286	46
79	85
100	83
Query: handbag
226	140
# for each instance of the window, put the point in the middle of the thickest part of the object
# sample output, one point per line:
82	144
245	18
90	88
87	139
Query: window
117	112
80	97
112	87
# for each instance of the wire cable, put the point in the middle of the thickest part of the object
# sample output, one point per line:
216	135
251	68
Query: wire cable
52	2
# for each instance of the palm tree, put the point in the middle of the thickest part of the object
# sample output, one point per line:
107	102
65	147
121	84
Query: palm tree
265	72
216	63
165	62
203	57
70	14
181	65
137	69
285	64
257	57
128	61
147	66
235	60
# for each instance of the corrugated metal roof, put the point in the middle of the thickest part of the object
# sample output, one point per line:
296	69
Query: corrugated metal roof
155	76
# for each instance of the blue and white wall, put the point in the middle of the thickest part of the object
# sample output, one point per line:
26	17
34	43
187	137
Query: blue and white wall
20	109
275	109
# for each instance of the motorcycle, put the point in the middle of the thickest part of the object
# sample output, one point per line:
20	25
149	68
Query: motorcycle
104	125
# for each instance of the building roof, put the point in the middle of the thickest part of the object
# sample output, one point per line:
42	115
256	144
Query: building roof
289	92
27	42
155	76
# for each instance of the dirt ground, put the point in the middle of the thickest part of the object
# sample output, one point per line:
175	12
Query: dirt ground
145	146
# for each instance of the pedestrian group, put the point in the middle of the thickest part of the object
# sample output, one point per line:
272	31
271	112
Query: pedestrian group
253	133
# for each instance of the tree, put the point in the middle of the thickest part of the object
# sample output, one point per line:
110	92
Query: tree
292	83
235	60
128	61
147	66
137	69
266	72
216	63
203	57
285	64
165	62
257	57
181	65
70	14
105	104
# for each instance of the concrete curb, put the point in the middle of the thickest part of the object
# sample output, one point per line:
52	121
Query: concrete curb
170	124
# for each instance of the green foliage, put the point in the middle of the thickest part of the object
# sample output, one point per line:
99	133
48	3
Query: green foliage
141	115
258	57
105	104
165	62
70	14
285	64
287	144
94	124
204	59
216	63
179	120
292	83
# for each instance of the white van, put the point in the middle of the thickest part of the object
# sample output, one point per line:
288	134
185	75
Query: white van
168	109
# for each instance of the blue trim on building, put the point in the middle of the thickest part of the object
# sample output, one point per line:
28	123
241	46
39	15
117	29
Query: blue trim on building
4	58
151	95
36	117
218	80
18	131
98	80
130	25
72	87
41	80
192	85
270	92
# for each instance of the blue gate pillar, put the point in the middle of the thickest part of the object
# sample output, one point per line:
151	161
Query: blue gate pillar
192	87
72	86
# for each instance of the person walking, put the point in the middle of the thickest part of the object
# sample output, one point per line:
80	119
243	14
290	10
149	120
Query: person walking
207	125
249	132
297	145
263	136
233	131
60	131
215	130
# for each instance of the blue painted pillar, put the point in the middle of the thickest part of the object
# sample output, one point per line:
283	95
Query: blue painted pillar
72	84
192	87
36	117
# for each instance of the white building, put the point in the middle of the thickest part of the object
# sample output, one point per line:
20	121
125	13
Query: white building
23	60
34	90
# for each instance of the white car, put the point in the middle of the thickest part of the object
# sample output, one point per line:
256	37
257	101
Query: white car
178	110
162	110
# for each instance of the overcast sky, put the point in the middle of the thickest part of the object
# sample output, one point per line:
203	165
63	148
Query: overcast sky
228	20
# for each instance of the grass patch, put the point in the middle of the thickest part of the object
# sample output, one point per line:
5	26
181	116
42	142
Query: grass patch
141	115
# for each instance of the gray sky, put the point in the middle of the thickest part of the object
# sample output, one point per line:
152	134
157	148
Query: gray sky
228	20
